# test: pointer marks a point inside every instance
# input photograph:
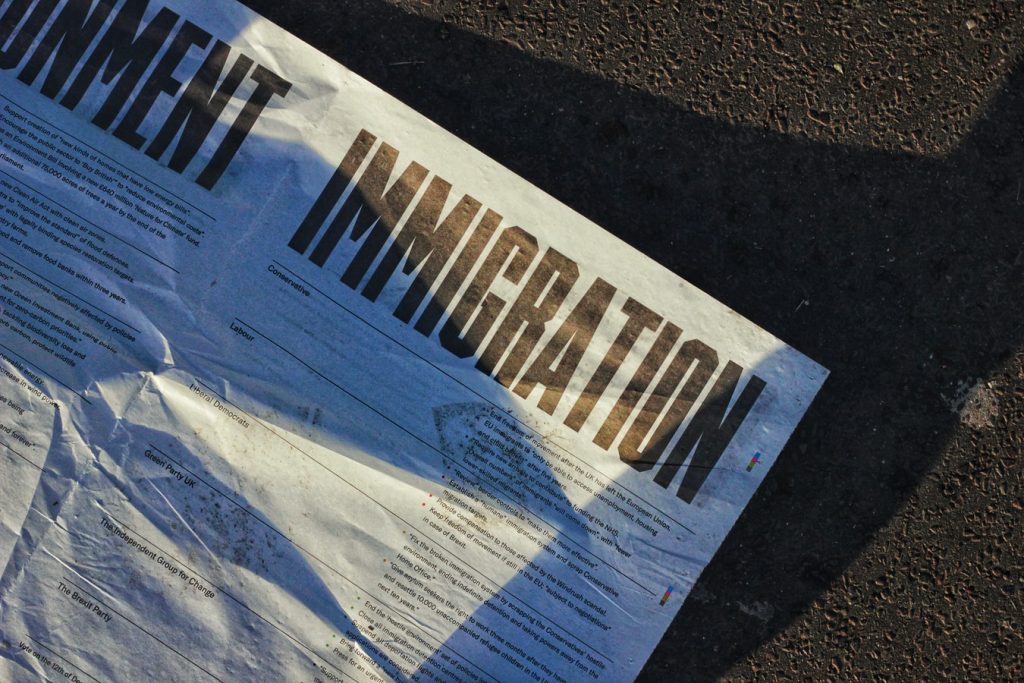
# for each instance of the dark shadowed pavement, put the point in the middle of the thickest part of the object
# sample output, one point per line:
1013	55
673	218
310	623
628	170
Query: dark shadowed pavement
848	177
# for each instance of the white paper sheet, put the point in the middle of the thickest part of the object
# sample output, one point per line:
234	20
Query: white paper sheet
314	391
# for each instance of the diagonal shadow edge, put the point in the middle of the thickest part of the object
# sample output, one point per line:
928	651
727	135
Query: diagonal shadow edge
871	262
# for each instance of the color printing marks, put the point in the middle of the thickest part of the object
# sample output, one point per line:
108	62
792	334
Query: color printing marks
753	461
664	598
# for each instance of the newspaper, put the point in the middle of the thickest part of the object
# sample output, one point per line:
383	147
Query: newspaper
295	385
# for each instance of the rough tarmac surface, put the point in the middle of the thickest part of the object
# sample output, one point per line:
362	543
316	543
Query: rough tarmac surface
848	176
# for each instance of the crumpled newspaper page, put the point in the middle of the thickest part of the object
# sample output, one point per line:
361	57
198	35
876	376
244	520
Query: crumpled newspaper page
295	385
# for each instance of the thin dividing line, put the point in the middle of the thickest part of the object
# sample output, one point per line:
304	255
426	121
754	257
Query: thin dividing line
48	123
329	567
225	592
67	531
301	548
22	457
169	647
394	514
443	455
466	386
93	306
86	220
15	353
71	664
391	512
440	453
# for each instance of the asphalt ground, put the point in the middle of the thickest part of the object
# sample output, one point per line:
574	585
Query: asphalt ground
849	176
